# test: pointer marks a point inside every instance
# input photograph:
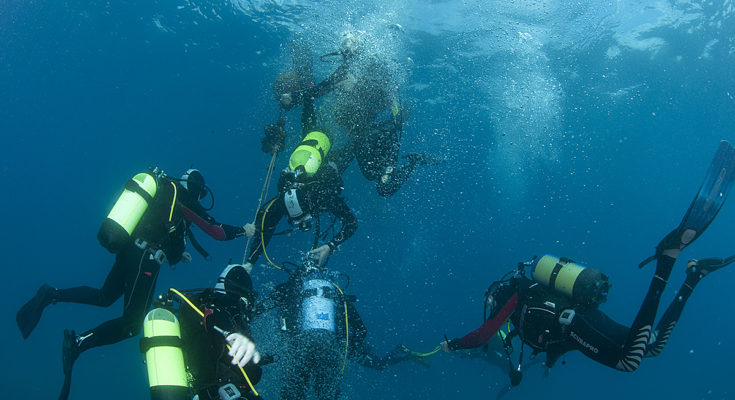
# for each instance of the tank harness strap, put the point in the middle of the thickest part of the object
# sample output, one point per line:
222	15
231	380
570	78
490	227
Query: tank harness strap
197	246
555	274
133	186
147	343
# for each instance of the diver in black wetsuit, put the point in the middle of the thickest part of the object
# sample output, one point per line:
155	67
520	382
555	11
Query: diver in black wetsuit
312	314
214	369
159	237
301	199
361	84
552	323
557	311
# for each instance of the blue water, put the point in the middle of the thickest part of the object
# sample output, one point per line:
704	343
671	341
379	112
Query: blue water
568	128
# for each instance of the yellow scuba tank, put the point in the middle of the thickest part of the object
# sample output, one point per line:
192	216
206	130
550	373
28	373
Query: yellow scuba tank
310	153
586	286
117	228
162	347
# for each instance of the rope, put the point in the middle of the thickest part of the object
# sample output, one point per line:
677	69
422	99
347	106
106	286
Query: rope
263	193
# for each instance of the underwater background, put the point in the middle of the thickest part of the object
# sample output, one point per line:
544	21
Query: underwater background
580	129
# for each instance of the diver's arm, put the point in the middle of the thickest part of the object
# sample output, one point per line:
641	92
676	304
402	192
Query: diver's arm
349	222
328	84
482	335
206	223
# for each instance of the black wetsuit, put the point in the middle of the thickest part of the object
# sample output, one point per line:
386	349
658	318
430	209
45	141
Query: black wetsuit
204	348
316	356
319	194
543	321
134	274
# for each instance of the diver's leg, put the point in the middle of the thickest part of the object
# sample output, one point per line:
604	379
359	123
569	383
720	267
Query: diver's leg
328	377
696	270
111	290
295	377
609	343
640	330
393	178
138	281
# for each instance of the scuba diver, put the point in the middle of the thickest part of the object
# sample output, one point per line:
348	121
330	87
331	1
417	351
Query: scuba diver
303	194
374	141
148	225
322	329
311	184
557	311
210	320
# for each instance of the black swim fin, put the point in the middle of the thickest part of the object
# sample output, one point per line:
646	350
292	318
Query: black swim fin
69	354
707	265
706	204
28	316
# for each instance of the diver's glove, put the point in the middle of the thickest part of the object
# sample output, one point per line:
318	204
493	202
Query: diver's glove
242	350
274	137
249	229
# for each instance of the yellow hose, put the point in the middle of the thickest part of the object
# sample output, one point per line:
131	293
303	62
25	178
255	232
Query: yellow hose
347	327
173	203
262	240
413	353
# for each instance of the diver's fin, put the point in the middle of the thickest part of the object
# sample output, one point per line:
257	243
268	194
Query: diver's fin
69	354
28	316
65	388
708	265
706	204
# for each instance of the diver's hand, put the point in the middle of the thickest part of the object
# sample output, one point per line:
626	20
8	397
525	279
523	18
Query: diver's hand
249	229
322	251
446	347
248	267
186	257
242	350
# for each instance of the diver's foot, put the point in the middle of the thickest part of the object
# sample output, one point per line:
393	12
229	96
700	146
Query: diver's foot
422	159
69	351
28	316
701	268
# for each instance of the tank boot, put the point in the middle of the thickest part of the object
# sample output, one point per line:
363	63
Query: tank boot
28	316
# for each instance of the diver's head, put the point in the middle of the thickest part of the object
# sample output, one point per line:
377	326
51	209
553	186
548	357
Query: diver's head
235	280
193	182
351	44
298	208
287	89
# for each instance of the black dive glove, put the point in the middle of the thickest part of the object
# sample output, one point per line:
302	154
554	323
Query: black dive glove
274	138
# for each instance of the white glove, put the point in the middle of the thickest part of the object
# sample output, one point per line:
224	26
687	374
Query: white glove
249	229
242	350
248	267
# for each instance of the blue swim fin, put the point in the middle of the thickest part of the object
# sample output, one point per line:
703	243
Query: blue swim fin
706	204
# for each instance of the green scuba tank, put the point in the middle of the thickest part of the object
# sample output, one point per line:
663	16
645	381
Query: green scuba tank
585	286
165	360
117	228
310	153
